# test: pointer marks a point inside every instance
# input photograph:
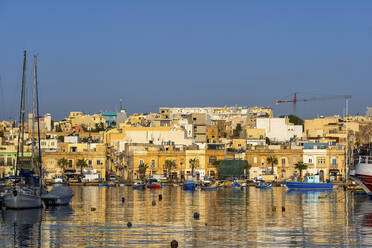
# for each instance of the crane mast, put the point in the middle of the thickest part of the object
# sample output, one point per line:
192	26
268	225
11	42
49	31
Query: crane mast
295	100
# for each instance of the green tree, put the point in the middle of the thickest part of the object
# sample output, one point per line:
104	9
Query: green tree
294	119
169	165
142	167
272	160
237	130
58	128
62	163
300	166
82	163
1	133
194	162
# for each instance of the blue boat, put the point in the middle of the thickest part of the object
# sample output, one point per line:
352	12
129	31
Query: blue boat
264	185
189	185
235	185
210	187
310	183
139	185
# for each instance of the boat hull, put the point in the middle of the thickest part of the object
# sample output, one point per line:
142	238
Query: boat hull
141	186
21	201
189	186
154	186
59	195
308	186
57	201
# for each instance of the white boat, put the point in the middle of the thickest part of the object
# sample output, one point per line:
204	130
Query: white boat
363	172
21	197
60	194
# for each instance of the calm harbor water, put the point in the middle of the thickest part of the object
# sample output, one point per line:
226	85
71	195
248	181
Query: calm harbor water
228	218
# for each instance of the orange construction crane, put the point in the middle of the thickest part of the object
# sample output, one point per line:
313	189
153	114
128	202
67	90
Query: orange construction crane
295	100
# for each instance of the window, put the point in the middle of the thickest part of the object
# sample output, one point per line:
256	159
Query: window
90	163
73	149
152	163
310	160
43	143
261	137
99	162
321	160
141	161
52	143
283	161
334	162
70	163
212	159
1	161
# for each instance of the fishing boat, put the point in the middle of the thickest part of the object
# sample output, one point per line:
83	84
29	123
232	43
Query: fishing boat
363	171
235	185
309	183
210	187
264	185
153	184
139	185
26	191
189	185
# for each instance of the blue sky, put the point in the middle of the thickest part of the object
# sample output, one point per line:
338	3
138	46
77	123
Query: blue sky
187	53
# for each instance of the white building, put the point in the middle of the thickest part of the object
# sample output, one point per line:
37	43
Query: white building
279	129
155	136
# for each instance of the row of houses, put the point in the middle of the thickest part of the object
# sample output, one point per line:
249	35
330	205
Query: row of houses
112	143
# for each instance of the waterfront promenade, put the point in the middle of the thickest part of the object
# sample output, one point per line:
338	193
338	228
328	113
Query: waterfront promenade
97	217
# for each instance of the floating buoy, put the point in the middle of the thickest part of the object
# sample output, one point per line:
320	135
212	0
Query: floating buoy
160	197
174	244
283	209
196	215
153	202
129	224
273	208
92	209
122	199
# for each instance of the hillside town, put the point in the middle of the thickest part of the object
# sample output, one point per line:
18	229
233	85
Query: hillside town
177	143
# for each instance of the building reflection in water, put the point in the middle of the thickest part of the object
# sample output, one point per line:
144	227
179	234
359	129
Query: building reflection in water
240	218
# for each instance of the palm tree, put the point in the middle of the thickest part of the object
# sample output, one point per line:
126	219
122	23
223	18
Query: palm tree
194	162
82	163
169	165
62	163
300	166
142	170
272	160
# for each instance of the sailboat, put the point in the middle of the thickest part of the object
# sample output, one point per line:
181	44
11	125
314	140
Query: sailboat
26	191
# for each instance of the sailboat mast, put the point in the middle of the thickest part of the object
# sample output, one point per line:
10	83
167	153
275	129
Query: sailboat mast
21	131
33	115
38	122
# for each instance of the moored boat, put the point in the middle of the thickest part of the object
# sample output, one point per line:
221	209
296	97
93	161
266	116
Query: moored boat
139	185
210	187
363	171
153	184
59	195
264	185
189	185
310	183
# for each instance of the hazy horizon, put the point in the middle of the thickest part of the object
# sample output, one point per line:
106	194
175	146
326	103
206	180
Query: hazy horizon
187	54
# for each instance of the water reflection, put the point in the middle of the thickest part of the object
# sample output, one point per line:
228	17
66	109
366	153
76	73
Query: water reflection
228	218
23	227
